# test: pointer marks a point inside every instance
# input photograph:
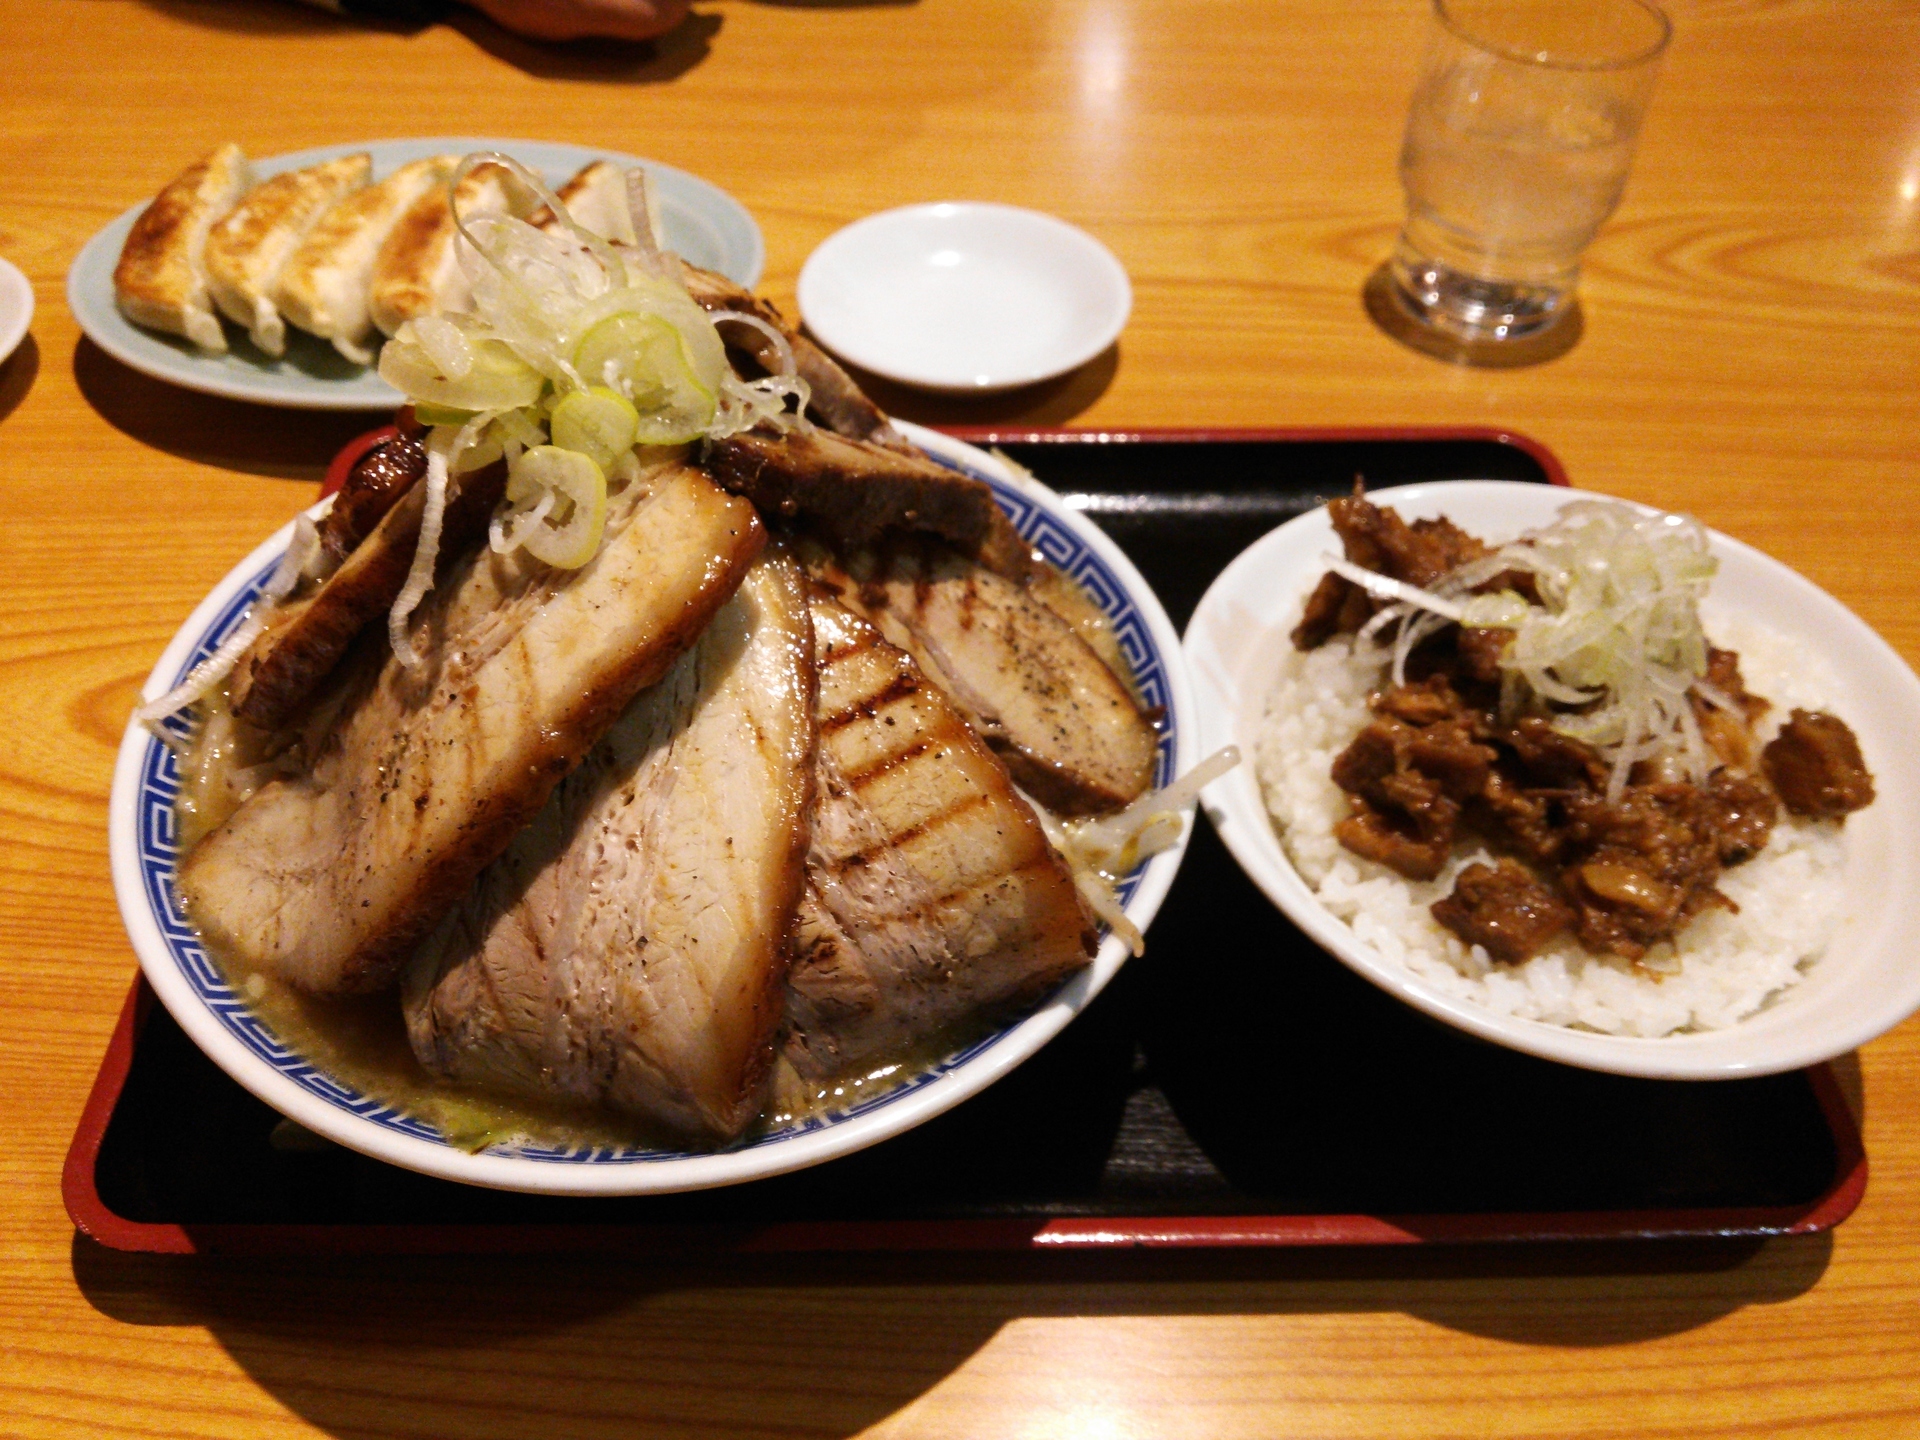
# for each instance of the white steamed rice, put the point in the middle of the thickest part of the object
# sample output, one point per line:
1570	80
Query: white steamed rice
1723	966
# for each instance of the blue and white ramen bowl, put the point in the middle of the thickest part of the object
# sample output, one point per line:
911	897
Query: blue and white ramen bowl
219	1019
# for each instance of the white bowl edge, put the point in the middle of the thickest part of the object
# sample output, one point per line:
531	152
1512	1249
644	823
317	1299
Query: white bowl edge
14	322
1233	650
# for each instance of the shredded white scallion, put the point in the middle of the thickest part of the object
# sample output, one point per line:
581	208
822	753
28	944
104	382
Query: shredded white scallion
1615	641
508	530
302	551
604	253
445	345
426	552
1103	850
650	236
1385	587
781	348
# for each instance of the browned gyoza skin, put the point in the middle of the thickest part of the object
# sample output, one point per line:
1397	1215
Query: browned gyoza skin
630	947
305	638
933	898
1066	726
856	494
329	878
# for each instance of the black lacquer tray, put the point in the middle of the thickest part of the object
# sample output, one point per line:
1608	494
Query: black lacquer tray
1236	1086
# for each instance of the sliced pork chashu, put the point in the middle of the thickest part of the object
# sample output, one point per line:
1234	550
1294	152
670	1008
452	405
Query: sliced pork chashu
1069	730
933	899
329	878
836	401
856	494
630	947
306	637
373	486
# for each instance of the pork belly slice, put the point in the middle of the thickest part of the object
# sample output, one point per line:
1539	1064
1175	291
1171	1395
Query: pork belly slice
836	401
630	948
1067	727
856	494
1053	589
306	636
329	878
933	899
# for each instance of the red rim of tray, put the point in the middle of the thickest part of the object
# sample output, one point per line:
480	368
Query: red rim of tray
92	1216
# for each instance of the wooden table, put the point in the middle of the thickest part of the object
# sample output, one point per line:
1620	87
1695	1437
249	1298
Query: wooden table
1751	354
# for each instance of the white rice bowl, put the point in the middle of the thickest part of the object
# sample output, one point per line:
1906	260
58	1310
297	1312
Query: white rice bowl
1820	957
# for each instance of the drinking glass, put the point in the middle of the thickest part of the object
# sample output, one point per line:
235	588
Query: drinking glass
1517	147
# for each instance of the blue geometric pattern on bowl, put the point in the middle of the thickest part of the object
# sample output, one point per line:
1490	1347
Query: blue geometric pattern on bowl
159	850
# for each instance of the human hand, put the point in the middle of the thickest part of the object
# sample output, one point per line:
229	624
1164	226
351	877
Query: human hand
580	19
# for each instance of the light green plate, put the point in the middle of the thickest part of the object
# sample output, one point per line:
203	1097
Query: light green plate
704	224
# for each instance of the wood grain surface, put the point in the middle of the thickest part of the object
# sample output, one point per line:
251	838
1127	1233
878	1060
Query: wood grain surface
1750	352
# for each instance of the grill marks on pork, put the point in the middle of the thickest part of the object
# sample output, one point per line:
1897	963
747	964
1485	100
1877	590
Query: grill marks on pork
305	638
327	879
933	899
628	918
630	947
1068	730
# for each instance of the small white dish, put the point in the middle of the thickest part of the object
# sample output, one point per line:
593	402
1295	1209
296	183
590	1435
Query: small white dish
702	222
16	308
964	298
217	1017
1866	982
